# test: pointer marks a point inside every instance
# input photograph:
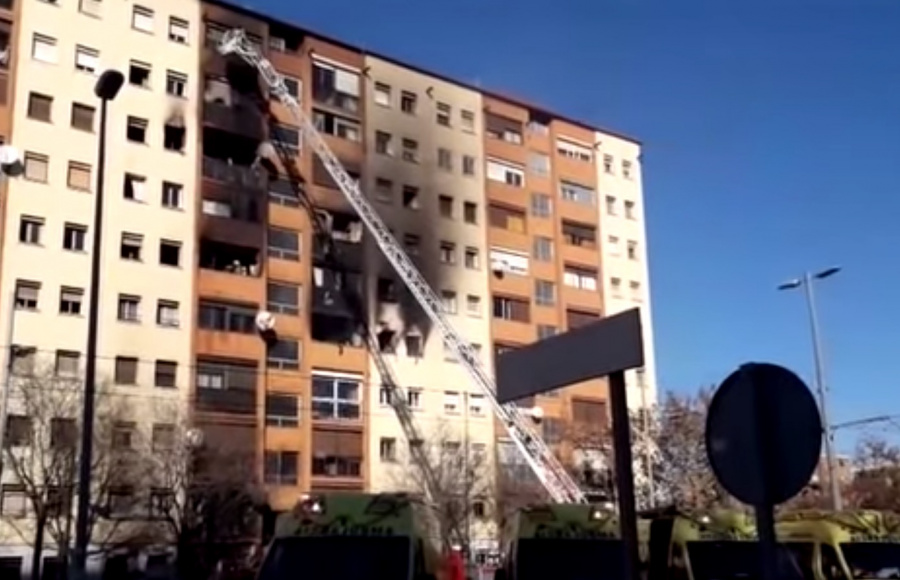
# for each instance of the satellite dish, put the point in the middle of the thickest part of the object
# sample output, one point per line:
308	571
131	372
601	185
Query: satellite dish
536	413
265	321
11	161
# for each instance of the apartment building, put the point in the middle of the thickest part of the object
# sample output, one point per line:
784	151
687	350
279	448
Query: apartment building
423	174
147	292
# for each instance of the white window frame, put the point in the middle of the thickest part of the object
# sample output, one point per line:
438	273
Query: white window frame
577	193
452	400
574	151
477	405
44	48
179	30
87	59
335	398
505	173
382	94
580	278
142	19
510	261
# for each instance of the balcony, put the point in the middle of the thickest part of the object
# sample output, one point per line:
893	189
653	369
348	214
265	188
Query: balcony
230	258
232	216
233	401
233	175
344	249
242	119
335	292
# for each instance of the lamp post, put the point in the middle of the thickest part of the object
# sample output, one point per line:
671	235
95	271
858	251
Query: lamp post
106	89
806	282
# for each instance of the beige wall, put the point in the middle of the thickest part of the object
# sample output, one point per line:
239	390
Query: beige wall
433	373
621	225
112	35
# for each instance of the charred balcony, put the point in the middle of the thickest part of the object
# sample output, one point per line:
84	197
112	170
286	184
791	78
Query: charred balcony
337	306
232	215
340	244
232	161
231	258
227	109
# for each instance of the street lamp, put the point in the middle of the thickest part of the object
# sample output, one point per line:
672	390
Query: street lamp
106	89
806	282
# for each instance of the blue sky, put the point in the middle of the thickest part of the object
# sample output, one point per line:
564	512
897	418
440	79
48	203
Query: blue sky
772	145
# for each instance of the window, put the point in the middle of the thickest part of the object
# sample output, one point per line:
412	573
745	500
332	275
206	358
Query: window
632	250
448	253
467	120
545	331
226	317
67	363
284	244
82	117
582	235
79	176
293	86
40	107
473	306
443	114
539	163
513	309
608	164
410	150
126	370
409	102
282	410
448	302
477	405
338	126
574	151
87	59
63	433
445	206
383	144
506	218
176	83
472	258
27	293
577	318
544	292
134	187
410	197
468	165
139	74
470	212
543	249
387	449
581	278
626	169
336	87
142	19
413	344
576	193
610	205
70	300
452	403
635	288
630	210
172	194
44	49
503	128
130	247
445	159
283	298
136	130
411	244
505	173
383	94
178	30
281	467
335	396
414	397
30	229
129	308
13	501
90	7
541	205
173	134
165	374
384	190
167	314
163	436
616	286
169	253
613	242
510	262
36	166
73	237
284	354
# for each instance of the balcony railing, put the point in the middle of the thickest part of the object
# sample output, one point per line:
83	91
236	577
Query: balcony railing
236	401
243	120
235	175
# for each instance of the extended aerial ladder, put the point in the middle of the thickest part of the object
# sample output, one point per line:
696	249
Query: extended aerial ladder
549	471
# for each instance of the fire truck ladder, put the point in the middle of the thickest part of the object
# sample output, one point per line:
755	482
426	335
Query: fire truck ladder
549	471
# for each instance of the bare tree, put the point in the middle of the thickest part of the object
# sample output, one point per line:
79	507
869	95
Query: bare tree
40	458
876	481
463	475
204	495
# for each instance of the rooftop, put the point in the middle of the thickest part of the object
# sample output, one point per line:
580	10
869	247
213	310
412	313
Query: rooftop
269	19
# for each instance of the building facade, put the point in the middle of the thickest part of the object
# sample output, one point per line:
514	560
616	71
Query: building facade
237	281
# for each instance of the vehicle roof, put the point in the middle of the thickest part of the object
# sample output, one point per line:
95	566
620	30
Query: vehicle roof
351	514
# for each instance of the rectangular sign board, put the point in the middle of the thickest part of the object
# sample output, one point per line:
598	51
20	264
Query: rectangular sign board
598	349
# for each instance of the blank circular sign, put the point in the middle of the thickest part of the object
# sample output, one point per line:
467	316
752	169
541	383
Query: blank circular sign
763	434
